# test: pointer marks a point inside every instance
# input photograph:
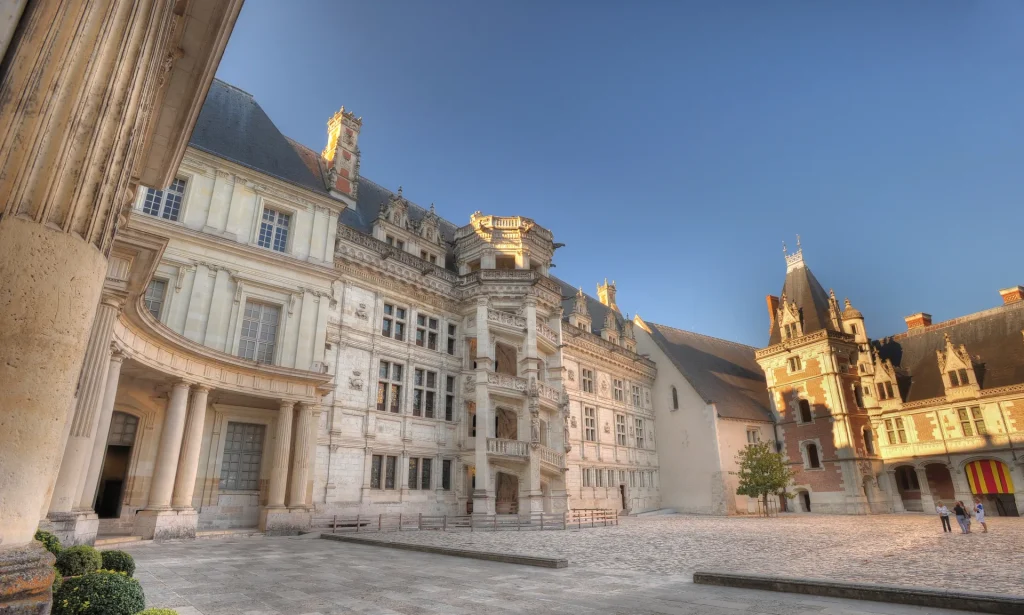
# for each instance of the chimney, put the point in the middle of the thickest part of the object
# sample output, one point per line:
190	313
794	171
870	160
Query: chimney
773	309
342	152
918	321
1012	294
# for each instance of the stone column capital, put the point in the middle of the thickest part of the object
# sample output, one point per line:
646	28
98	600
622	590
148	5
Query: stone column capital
112	300
201	388
181	384
287	404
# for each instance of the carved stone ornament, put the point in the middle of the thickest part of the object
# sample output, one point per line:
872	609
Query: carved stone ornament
355	382
572	375
573	421
361	312
604	387
607	427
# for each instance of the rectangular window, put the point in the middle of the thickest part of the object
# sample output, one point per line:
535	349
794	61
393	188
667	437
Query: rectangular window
426	332
620	430
165	203
274	230
424	393
753	435
622	477
449	398
639	432
393	323
586	477
895	430
389	472
243	453
259	332
958	378
425	468
885	390
643	478
632	478
795	364
375	470
617	390
446	474
972	421
452	329
389	387
600	478
414	473
590	424
154	299
636	396
587	378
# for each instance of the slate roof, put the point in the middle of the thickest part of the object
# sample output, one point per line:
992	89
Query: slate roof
993	338
233	126
597	310
802	288
722	372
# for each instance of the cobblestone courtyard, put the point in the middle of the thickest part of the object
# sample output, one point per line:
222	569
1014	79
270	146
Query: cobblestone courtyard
893	549
295	576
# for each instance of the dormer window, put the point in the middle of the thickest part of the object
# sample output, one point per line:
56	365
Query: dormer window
398	243
790	331
795	364
885	390
958	378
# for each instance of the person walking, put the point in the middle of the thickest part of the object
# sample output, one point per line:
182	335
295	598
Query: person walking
961	517
944	515
979	514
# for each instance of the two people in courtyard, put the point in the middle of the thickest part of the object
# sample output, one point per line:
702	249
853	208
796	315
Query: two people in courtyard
962	512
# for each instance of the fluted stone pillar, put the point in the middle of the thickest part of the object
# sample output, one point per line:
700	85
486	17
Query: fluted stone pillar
275	518
99	443
188	463
85	416
304	433
158	520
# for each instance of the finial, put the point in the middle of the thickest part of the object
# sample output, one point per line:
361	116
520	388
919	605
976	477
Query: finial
798	243
848	304
399	191
431	208
580	293
784	247
945	336
832	294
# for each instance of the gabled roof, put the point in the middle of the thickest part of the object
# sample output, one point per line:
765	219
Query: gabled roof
803	289
723	373
233	126
992	338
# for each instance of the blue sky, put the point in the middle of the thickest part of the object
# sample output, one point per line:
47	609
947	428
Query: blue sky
673	147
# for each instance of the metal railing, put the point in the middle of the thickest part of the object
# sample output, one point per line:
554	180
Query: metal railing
474	523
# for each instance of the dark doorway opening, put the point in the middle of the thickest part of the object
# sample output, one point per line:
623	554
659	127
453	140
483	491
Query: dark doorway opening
805	498
111	490
622	493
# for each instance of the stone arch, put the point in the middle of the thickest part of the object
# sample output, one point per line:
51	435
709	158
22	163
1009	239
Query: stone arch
506	492
802	500
908	487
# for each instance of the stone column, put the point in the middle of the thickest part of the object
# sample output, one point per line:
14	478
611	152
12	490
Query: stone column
961	488
99	445
158	521
304	431
927	501
188	463
483	496
85	416
1018	483
893	490
275	517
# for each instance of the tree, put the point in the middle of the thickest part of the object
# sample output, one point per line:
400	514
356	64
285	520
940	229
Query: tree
763	472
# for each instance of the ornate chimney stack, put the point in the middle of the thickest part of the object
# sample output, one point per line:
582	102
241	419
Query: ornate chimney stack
342	153
606	294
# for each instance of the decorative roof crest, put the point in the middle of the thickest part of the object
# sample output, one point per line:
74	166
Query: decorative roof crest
796	259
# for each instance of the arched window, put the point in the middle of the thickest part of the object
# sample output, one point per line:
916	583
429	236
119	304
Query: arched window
805	411
869	441
675	399
812	456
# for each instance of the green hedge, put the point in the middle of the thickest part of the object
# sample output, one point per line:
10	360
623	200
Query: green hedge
159	612
118	561
51	542
57	581
79	560
99	593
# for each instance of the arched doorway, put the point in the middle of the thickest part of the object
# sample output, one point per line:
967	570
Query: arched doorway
506	497
909	488
940	483
991	481
803	498
121	438
506	424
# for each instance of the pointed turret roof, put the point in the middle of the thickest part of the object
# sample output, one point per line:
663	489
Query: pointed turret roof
803	289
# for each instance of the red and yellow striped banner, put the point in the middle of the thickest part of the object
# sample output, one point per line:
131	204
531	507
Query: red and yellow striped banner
989	476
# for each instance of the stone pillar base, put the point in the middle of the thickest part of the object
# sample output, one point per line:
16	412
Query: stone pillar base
26	575
77	527
532	503
483	503
285	522
167	524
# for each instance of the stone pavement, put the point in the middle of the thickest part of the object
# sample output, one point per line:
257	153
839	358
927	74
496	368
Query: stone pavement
907	549
292	576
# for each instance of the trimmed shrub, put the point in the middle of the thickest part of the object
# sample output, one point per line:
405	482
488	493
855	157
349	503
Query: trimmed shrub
51	542
118	561
57	581
80	559
99	593
159	612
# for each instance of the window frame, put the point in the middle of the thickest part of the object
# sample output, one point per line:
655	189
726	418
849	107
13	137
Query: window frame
896	430
972	421
620	430
794	364
446	475
242	338
618	390
424	395
163	297
275	226
162	206
753	435
428	329
586	380
641	439
251	484
818	465
391	322
637	396
450	385
453	331
389	386
803	418
590	423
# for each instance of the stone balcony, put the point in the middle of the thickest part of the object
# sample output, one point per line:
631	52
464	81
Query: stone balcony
506	382
508	448
551	458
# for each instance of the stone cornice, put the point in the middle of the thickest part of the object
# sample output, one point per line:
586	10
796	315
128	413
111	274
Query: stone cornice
594	344
939	402
804	340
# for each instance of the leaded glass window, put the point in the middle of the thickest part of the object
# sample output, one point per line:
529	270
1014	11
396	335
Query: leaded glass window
243	453
259	332
165	203
274	230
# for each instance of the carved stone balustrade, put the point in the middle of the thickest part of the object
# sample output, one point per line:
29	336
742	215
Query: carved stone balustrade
551	457
547	333
508	448
549	392
505	381
388	251
505	318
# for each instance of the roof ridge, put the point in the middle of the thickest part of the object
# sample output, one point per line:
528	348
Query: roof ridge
957	320
233	87
705	336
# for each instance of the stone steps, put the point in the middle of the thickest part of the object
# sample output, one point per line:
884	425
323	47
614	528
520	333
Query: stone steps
116	542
